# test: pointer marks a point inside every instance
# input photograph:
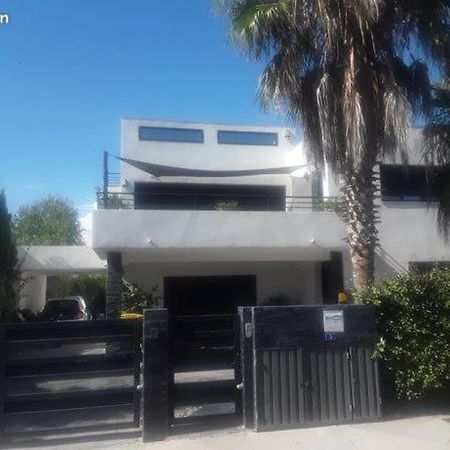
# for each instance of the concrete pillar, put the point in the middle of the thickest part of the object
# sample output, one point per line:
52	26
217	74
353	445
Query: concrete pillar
33	292
114	285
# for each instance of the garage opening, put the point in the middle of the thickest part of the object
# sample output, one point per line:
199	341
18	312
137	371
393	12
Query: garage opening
206	295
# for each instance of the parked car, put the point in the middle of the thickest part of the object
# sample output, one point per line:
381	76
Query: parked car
65	308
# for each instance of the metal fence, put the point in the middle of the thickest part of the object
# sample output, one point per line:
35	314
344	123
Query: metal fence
219	202
65	366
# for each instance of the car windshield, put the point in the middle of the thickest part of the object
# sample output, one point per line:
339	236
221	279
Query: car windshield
64	306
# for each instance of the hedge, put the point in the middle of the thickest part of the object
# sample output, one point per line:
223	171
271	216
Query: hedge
413	313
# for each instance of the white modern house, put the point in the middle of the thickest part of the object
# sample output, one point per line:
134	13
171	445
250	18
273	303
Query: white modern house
219	215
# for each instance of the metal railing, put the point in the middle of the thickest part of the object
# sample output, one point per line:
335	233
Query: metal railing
218	202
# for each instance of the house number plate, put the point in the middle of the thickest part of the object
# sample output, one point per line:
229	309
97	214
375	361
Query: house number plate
333	321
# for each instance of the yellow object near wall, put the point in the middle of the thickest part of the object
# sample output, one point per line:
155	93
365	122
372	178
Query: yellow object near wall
342	297
125	315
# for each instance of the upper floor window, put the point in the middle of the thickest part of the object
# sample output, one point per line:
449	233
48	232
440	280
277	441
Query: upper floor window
170	134
406	183
246	137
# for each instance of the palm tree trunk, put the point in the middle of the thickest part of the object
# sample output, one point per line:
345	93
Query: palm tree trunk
114	285
361	219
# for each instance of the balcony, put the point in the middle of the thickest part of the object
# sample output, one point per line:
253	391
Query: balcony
218	228
215	202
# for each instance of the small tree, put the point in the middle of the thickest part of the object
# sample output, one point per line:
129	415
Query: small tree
52	221
9	274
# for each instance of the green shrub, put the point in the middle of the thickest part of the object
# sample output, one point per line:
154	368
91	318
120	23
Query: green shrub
414	322
135	300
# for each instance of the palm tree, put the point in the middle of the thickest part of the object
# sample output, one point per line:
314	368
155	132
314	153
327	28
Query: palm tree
436	151
348	72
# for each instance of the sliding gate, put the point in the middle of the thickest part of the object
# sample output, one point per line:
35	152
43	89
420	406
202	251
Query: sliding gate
59	374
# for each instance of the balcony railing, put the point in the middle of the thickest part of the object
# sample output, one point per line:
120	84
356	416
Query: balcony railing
218	202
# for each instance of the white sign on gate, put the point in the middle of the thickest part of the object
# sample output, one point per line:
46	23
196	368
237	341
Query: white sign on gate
333	321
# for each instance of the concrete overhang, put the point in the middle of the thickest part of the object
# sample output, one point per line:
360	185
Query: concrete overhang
155	235
59	260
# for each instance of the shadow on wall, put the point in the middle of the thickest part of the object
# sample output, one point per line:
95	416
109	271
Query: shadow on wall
386	266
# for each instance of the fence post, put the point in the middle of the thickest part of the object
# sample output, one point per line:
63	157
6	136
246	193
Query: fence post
137	357
2	377
105	180
246	322
156	375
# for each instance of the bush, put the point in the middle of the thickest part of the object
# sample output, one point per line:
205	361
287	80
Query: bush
414	323
135	300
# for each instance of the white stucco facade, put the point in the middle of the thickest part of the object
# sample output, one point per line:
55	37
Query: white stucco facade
285	249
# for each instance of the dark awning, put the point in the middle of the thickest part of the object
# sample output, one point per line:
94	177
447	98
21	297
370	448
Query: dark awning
158	170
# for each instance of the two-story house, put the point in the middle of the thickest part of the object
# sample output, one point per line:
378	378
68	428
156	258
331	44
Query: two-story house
219	215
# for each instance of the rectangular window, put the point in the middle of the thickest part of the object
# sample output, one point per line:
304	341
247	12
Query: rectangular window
170	134
246	137
193	196
406	183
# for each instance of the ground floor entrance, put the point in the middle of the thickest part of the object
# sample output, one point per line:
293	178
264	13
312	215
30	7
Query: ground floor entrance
204	348
207	295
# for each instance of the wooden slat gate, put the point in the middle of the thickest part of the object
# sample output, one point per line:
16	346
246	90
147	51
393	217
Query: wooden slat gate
204	370
191	373
298	374
68	366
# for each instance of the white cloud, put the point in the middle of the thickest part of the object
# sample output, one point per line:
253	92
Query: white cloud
86	225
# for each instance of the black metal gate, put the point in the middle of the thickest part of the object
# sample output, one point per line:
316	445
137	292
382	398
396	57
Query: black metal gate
204	370
75	367
306	365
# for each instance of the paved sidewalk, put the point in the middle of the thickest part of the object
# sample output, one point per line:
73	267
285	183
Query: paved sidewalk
419	433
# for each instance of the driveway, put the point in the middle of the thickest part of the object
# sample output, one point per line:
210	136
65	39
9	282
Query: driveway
418	433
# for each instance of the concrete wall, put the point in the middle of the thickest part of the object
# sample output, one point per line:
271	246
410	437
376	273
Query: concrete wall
307	232
300	281
33	293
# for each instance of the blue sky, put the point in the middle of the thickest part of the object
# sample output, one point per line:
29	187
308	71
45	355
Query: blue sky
70	69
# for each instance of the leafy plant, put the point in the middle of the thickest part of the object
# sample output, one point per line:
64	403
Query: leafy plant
414	322
328	204
135	300
227	205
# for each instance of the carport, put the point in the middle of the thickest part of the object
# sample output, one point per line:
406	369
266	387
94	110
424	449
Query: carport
39	262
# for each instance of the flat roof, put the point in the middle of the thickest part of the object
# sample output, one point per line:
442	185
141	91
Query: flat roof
59	259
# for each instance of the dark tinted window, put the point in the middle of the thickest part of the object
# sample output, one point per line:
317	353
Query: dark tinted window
63	306
170	134
406	183
246	137
192	196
